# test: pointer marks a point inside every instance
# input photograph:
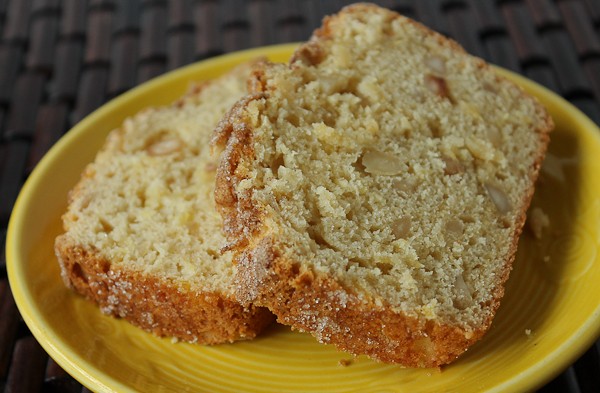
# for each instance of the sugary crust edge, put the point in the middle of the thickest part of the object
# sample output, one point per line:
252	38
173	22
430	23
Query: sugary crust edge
162	307
311	302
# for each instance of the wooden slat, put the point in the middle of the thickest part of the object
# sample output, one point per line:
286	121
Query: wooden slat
45	6
593	10
290	22
67	68
126	17
500	51
459	25
526	41
181	14
430	14
26	98
150	69
8	327
489	20
260	13
592	72
17	21
42	42
580	28
50	125
27	367
544	13
57	380
207	34
10	63
97	49
91	92
74	18
12	175
565	63
542	74
153	43
123	63
180	48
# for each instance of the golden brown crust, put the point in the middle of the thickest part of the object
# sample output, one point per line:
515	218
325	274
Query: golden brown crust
164	308
336	315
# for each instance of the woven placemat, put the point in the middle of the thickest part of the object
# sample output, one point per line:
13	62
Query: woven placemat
60	60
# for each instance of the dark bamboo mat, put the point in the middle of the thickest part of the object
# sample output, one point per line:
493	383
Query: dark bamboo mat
60	60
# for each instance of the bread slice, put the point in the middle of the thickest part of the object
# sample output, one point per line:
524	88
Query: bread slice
142	236
374	189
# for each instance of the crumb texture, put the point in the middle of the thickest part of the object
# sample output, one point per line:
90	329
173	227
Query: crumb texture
142	218
387	160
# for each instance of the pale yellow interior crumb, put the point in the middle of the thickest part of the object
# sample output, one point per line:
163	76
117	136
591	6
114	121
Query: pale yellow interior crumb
147	202
398	165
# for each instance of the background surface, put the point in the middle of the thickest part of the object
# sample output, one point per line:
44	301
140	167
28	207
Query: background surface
60	60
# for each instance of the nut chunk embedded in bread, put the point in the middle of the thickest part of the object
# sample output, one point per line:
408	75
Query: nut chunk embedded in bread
142	236
374	189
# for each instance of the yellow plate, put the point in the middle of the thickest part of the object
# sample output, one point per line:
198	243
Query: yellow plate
550	315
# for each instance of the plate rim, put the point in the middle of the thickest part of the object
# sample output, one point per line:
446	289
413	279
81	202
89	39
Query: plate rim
95	378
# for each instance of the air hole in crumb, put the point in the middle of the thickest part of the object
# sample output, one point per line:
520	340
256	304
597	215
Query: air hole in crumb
106	227
293	119
350	215
451	165
141	195
358	165
351	86
277	163
295	269
501	176
318	238
329	120
309	55
85	203
212	253
385	267
305	279
359	262
79	273
436	130
467	218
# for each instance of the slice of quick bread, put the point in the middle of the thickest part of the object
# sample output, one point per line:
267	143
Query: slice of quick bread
142	236
374	190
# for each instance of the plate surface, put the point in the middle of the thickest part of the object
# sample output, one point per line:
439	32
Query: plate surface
549	316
